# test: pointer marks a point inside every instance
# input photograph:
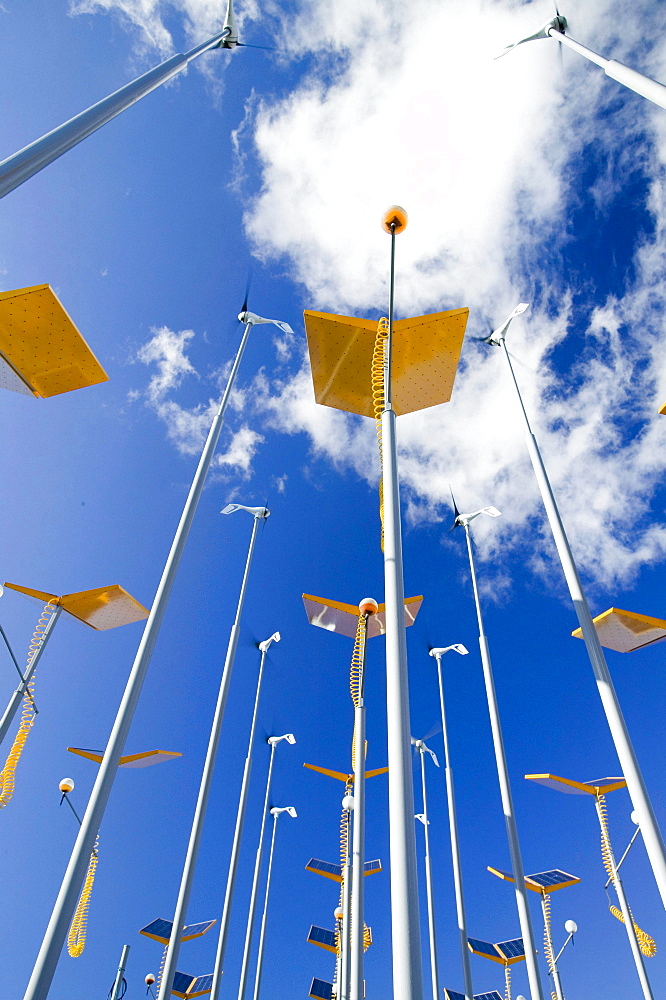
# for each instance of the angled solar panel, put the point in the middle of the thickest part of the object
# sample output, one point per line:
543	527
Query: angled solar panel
484	948
493	995
511	951
370	867
181	984
321	990
550	881
325	868
160	930
201	985
452	995
323	938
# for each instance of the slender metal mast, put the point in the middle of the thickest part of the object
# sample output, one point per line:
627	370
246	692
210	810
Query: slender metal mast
17	697
275	812
207	777
423	817
356	991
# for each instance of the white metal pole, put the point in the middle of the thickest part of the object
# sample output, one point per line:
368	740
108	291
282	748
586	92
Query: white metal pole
252	909
638	82
115	993
275	812
65	905
24	164
654	843
434	975
406	936
206	780
356	991
626	913
17	697
505	792
455	845
346	915
549	939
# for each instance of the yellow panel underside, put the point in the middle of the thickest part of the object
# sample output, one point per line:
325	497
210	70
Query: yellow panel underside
626	631
426	350
601	786
335	616
102	609
40	342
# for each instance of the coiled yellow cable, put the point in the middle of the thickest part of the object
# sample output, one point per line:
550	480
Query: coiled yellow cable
507	982
158	982
76	939
378	401
28	714
548	938
646	943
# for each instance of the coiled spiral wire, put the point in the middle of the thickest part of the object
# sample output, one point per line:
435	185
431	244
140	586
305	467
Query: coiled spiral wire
378	400
548	938
646	943
76	939
507	982
28	714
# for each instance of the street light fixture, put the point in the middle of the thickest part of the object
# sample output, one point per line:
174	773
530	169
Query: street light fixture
27	162
638	82
438	652
529	954
382	370
599	788
273	742
259	515
54	937
654	843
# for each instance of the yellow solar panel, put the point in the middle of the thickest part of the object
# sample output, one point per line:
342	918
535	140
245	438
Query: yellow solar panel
426	350
335	616
626	631
102	609
40	345
145	759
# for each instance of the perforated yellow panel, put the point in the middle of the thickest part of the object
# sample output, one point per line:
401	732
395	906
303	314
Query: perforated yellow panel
102	609
40	344
599	786
426	350
145	759
662	409
625	631
335	616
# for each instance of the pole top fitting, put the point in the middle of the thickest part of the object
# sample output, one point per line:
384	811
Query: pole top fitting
394	219
66	785
368	606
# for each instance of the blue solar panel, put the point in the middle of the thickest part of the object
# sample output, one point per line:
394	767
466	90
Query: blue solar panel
483	948
493	995
372	866
511	949
326	868
553	877
202	984
452	995
321	990
323	938
181	984
196	930
159	929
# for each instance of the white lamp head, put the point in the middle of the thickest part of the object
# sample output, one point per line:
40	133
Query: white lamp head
265	645
150	979
66	785
457	647
348	803
570	926
634	818
255	511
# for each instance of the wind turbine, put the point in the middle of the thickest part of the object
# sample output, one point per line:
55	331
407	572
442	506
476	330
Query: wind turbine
421	748
27	162
54	937
654	843
529	951
556	27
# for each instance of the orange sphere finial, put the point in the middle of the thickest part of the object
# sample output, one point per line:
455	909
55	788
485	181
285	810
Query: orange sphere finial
394	216
368	606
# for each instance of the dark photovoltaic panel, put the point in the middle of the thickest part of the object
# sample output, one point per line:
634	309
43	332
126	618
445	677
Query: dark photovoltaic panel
372	866
196	930
326	868
493	995
323	938
452	995
201	985
511	949
321	990
483	948
159	930
181	984
556	877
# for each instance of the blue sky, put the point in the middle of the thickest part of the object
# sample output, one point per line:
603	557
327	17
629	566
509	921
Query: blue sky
521	184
